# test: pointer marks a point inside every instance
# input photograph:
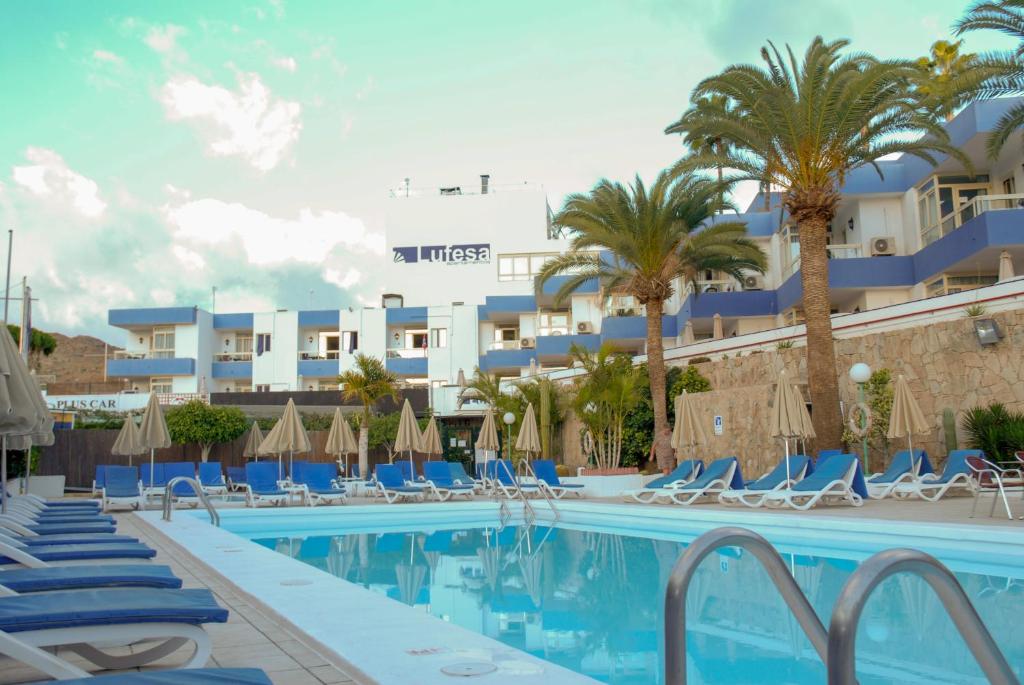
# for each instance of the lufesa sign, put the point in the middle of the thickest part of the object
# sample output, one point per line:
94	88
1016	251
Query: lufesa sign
476	253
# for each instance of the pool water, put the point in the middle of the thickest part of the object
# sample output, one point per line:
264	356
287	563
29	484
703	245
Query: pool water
593	602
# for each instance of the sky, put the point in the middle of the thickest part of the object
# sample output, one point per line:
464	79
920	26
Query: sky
152	151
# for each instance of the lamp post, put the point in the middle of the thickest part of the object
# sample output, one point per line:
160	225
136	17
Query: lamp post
860	373
509	418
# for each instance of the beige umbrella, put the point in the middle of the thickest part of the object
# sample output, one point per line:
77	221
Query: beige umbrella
461	379
153	432
906	417
1005	266
789	416
129	441
409	579
340	439
252	443
688	430
408	438
528	439
688	338
717	333
287	435
488	438
431	439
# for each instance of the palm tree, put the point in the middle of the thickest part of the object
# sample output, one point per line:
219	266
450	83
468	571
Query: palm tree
945	77
485	387
652	237
368	381
714	144
802	127
1002	73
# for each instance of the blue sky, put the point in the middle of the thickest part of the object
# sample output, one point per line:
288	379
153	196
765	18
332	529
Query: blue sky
151	151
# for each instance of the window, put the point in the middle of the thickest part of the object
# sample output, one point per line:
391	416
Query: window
350	341
506	334
946	202
1009	186
521	267
262	343
328	386
417	340
439	337
329	344
553	323
161	385
243	344
163	343
262	387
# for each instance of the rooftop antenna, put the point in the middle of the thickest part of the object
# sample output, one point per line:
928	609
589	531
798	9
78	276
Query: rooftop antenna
7	287
213	303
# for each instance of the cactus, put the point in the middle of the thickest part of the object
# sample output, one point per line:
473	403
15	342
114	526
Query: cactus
949	429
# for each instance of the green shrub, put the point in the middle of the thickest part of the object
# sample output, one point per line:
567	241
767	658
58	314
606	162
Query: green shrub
995	430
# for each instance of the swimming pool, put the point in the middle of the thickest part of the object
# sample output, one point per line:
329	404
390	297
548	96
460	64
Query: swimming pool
589	598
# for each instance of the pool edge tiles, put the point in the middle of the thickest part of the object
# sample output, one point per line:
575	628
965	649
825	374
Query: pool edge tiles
384	640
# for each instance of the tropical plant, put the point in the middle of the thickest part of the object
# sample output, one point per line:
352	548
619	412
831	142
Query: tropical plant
367	381
383	430
878	393
1000	73
604	396
640	241
803	127
40	344
975	310
995	430
638	428
198	423
945	78
533	391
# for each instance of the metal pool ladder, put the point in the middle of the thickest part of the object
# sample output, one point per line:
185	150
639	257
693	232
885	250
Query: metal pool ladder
169	506
836	645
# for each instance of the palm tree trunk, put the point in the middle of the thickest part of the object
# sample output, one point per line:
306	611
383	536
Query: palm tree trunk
821	353
656	365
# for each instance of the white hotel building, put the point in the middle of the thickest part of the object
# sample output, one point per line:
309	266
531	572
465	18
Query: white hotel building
461	283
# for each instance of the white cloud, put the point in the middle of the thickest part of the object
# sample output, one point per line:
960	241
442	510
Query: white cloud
309	238
164	39
249	123
347	280
107	56
286	63
49	176
190	260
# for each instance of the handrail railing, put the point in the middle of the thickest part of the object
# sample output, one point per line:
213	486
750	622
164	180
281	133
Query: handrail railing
682	574
846	614
542	487
198	488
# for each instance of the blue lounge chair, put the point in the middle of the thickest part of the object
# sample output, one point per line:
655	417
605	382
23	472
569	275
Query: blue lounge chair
391	484
153	480
88	576
99	480
825	455
295	470
721	475
261	484
838	478
212	478
180	469
56	505
122	487
236	477
547	478
69	515
508	484
408	469
320	481
460	476
753	493
7	522
38	555
86	621
440	481
180	676
902	469
955	474
684	472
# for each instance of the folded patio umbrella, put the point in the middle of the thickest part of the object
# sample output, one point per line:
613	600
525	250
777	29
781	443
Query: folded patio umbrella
487	440
1005	266
287	435
408	438
340	439
431	439
688	338
789	415
153	433
717	333
528	439
252	443
129	440
906	417
688	430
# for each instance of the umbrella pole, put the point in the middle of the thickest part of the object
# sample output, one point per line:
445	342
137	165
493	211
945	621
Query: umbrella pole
910	446
785	441
152	465
3	475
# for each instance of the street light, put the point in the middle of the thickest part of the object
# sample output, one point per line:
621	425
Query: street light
860	373
509	418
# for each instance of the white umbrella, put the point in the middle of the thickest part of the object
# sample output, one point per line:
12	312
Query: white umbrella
717	333
1005	266
430	441
789	416
22	421
287	435
129	440
408	438
340	439
688	338
153	432
252	443
907	418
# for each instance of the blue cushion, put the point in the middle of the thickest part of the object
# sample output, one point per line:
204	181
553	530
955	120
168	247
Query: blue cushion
89	576
67	528
76	552
182	676
74	539
72	518
108	606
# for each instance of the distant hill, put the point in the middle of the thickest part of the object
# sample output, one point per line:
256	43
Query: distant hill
76	366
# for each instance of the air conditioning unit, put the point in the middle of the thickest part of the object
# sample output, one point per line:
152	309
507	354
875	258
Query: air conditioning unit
883	247
753	282
584	327
527	343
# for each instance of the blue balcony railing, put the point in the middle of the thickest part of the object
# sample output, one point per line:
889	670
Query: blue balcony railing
173	366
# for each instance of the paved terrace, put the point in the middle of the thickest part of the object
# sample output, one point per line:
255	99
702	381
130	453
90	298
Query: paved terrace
255	637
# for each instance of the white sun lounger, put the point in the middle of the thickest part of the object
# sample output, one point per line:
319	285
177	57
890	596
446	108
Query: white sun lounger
833	480
716	479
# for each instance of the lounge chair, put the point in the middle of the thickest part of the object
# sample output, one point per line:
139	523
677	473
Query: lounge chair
212	478
99	480
683	473
408	469
57	505
179	676
69	515
990	478
87	576
721	475
753	493
440	481
26	535
391	484
955	474
838	478
508	484
236	477
261	484
320	483
460	476
153	479
825	455
88	621
13	523
12	552
122	487
547	479
902	469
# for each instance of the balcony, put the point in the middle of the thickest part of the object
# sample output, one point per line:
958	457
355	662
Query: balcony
554	347
406	366
232	366
315	365
146	364
507	359
968	211
154	316
836	251
505	345
233	357
622	328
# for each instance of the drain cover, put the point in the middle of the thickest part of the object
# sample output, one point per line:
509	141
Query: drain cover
469	669
229	550
296	581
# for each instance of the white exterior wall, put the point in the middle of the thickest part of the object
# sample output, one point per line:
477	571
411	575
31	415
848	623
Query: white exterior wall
350	321
372	332
586	308
439	359
204	347
527	324
464	342
486	337
279	367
